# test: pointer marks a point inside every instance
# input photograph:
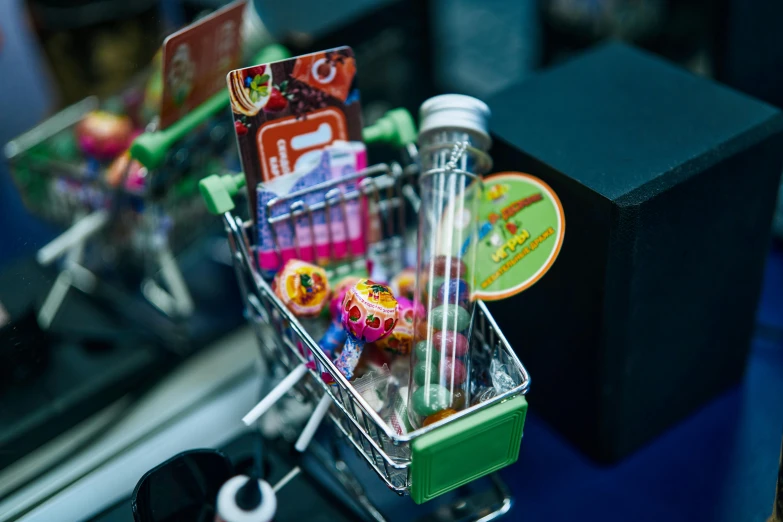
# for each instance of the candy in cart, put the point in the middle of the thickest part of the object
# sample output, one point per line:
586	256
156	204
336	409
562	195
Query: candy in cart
358	312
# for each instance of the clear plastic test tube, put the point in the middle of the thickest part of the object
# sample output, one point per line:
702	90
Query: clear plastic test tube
448	226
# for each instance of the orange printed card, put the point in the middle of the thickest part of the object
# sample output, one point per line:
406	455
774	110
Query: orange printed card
286	110
196	60
281	143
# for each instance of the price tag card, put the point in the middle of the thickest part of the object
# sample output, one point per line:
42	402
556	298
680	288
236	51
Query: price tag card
196	60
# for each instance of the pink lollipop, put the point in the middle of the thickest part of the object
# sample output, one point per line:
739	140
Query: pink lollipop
369	314
103	135
335	335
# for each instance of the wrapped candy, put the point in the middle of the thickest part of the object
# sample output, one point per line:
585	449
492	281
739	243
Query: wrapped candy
304	290
103	135
372	360
133	172
435	417
302	287
400	340
404	283
335	334
369	314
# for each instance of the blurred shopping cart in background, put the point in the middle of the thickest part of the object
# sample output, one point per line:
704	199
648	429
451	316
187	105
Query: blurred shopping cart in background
124	221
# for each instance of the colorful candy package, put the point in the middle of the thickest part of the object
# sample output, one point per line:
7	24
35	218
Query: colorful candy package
320	242
285	111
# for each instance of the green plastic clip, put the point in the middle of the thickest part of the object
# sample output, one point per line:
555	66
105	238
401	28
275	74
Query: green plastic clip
395	128
219	191
150	148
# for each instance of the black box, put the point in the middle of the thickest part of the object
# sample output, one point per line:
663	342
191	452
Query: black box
668	182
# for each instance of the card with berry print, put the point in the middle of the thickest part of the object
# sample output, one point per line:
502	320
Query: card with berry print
283	111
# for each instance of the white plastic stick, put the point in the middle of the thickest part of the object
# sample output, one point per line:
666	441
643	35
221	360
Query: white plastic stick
273	396
159	297
62	284
285	480
54	299
172	277
81	278
312	425
79	232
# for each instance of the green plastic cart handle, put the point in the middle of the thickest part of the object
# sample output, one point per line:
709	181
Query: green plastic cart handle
219	191
395	128
150	148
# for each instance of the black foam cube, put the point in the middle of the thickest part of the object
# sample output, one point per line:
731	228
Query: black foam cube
668	182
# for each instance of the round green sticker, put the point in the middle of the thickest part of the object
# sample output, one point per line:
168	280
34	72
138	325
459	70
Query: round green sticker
521	230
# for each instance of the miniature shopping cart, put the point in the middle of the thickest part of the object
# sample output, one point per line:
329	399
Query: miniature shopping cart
429	461
115	230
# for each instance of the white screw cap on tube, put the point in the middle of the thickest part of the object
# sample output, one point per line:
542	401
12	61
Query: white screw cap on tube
456	112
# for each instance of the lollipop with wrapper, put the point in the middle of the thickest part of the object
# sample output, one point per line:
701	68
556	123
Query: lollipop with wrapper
304	289
335	335
103	135
369	314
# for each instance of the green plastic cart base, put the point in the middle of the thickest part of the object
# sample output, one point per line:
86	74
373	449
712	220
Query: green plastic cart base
467	449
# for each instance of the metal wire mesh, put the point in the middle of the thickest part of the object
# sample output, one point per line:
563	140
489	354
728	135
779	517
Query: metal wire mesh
389	191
